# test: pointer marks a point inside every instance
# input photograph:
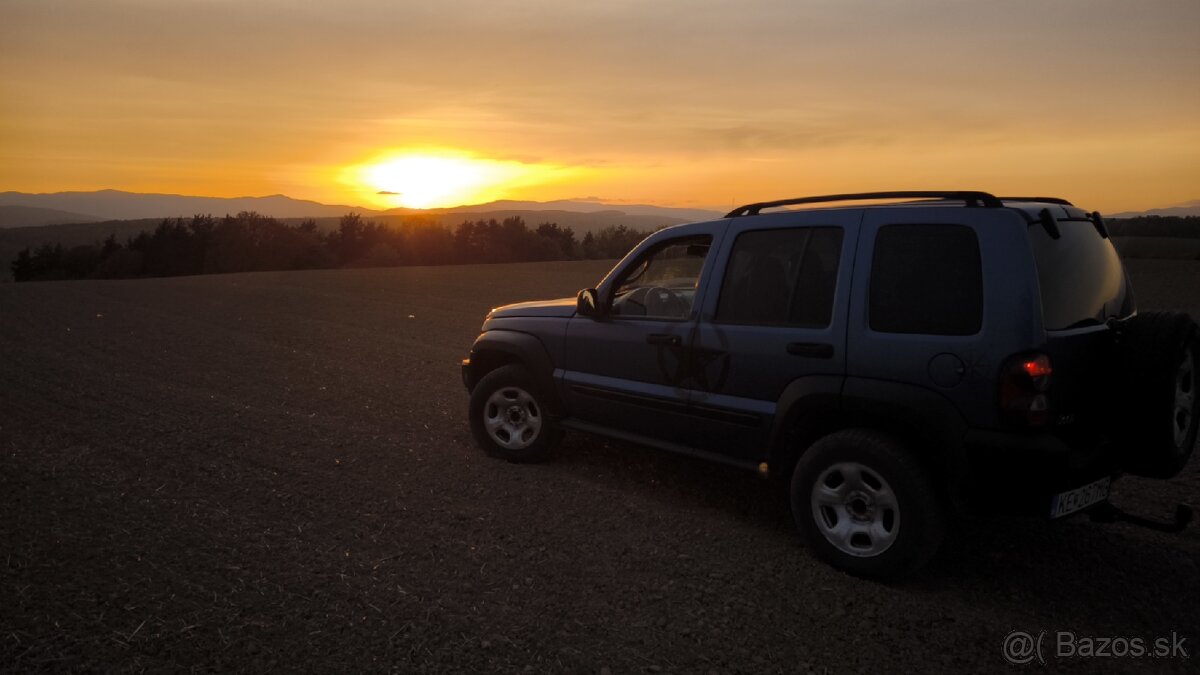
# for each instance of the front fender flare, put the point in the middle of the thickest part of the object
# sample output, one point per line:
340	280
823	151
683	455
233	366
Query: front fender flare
495	348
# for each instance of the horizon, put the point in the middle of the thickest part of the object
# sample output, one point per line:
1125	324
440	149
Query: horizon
574	200
380	105
1189	209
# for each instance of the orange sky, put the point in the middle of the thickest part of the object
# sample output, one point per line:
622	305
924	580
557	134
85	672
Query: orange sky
698	103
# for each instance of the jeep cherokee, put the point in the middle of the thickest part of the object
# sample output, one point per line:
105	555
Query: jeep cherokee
890	357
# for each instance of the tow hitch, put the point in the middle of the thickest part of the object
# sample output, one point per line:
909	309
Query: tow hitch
1106	512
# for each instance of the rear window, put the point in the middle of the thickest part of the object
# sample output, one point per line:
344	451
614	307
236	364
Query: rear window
926	279
1081	277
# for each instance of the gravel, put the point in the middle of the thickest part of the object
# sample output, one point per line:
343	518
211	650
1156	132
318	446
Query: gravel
272	472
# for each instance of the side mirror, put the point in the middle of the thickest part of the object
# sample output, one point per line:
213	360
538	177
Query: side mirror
587	303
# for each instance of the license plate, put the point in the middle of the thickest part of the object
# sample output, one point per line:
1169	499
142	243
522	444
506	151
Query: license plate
1079	498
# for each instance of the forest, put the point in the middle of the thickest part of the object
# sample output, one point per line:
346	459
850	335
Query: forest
1182	227
250	242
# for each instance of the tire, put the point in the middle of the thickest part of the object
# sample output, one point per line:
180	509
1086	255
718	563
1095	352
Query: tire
509	416
1161	354
865	505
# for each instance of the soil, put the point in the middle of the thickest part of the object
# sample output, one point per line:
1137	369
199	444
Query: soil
272	472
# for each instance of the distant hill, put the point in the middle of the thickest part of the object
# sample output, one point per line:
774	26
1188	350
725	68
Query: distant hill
575	206
120	205
581	223
14	239
1148	236
1191	208
1185	227
14	215
74	218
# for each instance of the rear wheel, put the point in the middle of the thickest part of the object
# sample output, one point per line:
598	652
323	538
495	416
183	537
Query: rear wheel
1162	353
865	505
509	418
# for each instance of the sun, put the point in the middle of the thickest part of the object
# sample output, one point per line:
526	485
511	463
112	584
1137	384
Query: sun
423	180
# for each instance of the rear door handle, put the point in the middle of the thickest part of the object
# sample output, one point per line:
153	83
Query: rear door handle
816	350
664	339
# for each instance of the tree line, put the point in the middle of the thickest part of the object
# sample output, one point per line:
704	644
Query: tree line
250	242
1155	226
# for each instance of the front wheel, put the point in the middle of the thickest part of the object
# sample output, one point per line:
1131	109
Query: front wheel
509	418
865	505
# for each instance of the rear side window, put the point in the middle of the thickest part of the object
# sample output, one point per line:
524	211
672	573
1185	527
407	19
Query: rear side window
781	277
1081	278
926	279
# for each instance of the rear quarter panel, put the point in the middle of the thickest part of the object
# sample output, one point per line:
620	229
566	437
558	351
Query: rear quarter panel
1011	313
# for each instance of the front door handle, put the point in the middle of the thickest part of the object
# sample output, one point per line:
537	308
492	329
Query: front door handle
664	339
816	350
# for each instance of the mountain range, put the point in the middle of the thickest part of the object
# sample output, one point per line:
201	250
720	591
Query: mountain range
73	218
1191	208
20	209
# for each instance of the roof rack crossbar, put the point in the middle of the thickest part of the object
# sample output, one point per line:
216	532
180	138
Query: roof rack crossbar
972	198
1046	200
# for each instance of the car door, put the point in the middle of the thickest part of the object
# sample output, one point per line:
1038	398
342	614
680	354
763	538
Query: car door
919	294
776	317
625	369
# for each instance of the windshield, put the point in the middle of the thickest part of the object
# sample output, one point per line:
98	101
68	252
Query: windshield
1081	277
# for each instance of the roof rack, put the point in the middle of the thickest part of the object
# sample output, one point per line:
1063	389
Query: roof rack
972	198
1046	200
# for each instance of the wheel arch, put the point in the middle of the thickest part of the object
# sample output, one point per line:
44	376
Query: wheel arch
808	409
924	421
496	348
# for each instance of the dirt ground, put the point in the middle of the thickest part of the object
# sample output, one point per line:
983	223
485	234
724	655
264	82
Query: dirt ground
272	473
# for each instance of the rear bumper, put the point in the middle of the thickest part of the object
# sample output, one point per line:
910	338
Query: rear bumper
1014	474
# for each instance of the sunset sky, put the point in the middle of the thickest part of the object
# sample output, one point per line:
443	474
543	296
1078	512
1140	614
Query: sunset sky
670	102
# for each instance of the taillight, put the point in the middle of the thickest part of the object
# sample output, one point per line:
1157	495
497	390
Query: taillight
1024	384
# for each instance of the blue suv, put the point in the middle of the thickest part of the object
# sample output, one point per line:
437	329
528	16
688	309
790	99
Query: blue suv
888	357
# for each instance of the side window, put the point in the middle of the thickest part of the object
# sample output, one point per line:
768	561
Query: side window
781	277
663	283
926	279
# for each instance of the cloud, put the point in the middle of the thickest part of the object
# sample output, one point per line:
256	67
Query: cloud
673	92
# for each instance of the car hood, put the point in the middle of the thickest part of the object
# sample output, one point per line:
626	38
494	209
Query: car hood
563	307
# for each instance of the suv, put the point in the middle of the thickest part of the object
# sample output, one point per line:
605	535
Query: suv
890	357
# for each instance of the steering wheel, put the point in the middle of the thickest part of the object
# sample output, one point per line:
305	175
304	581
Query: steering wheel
662	301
